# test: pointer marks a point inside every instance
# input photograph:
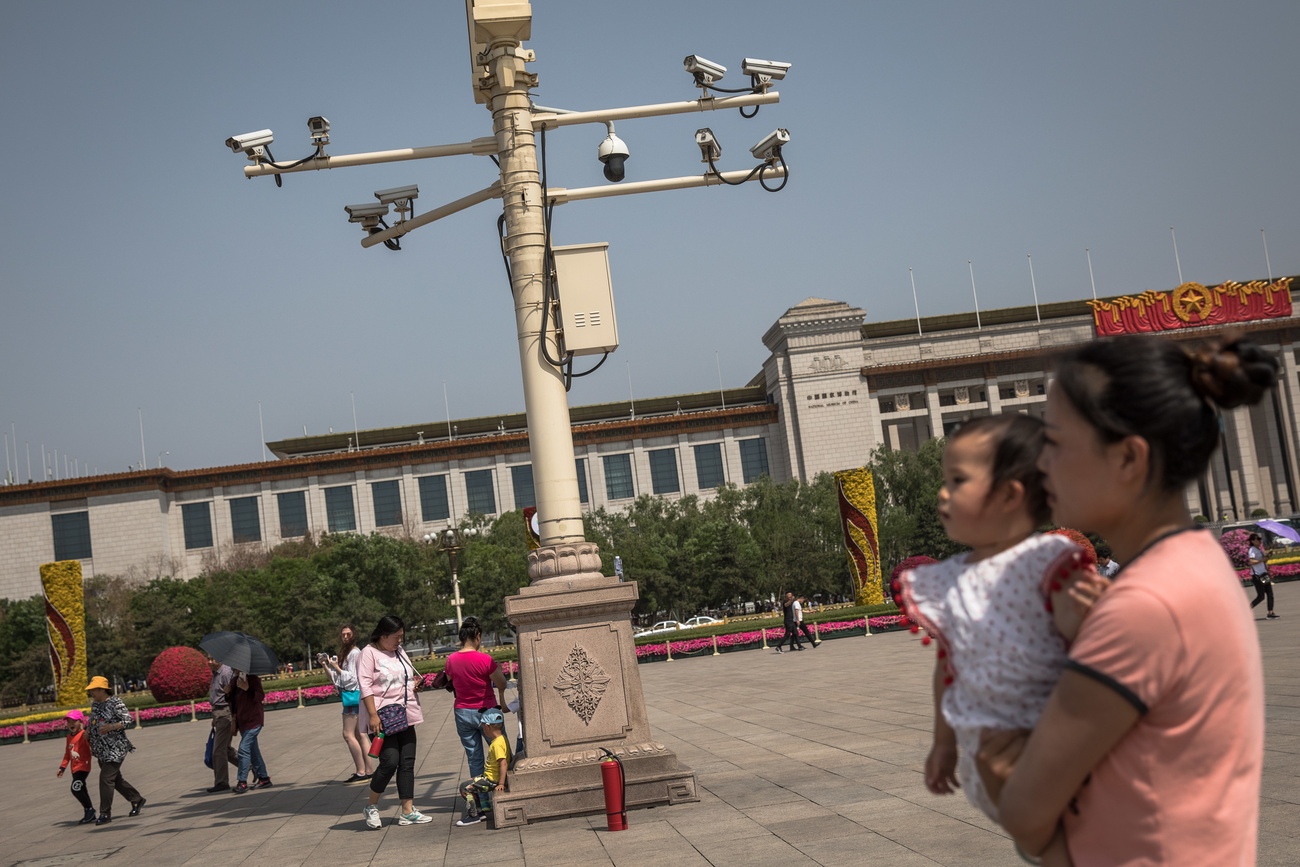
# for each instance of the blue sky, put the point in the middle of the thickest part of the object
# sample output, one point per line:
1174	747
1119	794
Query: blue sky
141	273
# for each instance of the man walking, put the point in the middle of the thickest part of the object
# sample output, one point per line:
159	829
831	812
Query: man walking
223	754
798	619
791	624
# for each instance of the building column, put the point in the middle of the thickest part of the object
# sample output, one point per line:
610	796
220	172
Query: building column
936	412
1241	442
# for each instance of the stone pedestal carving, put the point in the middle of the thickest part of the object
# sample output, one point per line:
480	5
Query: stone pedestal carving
580	691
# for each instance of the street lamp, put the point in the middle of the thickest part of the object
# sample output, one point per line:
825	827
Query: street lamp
451	540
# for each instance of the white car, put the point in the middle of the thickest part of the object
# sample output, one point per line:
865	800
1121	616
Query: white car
702	620
661	626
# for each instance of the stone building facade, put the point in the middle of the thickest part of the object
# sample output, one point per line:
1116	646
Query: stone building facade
833	388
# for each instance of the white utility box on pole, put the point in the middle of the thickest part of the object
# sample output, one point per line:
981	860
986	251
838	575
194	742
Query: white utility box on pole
586	298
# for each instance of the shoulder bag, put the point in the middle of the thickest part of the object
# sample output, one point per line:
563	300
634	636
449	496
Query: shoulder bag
392	717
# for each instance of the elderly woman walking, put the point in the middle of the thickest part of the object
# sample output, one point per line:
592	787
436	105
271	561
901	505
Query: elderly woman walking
109	744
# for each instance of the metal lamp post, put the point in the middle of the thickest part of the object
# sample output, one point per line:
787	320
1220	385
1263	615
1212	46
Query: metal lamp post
451	540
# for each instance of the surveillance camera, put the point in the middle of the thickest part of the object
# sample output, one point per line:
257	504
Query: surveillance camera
705	70
320	130
367	215
249	141
771	145
397	195
613	153
769	70
710	150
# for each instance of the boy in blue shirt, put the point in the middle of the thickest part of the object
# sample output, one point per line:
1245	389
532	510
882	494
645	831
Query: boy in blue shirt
493	777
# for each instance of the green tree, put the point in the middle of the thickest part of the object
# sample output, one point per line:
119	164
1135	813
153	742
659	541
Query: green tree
907	495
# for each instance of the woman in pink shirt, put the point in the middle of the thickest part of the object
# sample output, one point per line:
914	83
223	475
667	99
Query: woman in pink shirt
1150	748
387	677
473	675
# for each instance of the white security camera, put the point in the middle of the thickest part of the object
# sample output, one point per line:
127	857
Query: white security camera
397	195
705	70
771	145
367	215
710	150
320	130
250	141
613	153
766	70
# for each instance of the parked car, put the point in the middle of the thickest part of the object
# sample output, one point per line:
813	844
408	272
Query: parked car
702	620
660	627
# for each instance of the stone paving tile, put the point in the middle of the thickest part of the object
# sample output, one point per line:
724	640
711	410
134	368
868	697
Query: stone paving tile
840	784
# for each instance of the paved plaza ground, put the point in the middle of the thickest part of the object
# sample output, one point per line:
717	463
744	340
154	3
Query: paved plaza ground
804	758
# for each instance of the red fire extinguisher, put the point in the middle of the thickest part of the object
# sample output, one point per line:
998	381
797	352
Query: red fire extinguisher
615	785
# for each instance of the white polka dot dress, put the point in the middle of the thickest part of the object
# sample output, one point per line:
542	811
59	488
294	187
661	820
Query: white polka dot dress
1001	651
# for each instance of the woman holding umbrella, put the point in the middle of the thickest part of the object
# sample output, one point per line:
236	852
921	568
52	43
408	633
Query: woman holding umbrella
109	744
389	684
247	658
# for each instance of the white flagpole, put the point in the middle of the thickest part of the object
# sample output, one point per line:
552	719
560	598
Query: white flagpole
915	303
144	461
1176	261
1267	263
721	394
447	409
261	429
1033	284
356	431
630	400
978	326
1091	278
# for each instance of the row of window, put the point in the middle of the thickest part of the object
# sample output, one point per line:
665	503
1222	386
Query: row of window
72	530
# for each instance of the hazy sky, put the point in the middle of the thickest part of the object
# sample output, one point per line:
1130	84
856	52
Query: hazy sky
142	272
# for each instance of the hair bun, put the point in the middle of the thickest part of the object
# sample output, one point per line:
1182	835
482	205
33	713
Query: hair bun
1233	373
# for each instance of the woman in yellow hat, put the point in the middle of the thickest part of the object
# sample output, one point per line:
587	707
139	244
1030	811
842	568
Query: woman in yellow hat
109	744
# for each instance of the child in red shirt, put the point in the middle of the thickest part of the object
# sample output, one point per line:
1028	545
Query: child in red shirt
77	754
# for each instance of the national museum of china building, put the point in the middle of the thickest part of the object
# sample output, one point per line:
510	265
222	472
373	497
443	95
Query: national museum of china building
833	388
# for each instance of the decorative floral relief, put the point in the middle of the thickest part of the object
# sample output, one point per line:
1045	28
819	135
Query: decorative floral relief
582	683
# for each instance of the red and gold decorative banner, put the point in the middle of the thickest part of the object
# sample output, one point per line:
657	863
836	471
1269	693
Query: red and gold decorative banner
530	523
857	495
1192	304
65	621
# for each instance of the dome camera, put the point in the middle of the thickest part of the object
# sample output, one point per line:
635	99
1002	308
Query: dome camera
613	153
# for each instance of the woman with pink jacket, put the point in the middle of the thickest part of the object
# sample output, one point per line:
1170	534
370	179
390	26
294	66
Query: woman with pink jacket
387	678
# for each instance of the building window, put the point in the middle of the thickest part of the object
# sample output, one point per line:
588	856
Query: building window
196	520
245	522
663	471
708	466
388	503
293	514
618	477
72	536
478	489
581	464
753	459
433	499
521	478
340	515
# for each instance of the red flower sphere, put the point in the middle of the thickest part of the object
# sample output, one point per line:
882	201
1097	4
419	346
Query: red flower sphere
179	674
910	563
1089	553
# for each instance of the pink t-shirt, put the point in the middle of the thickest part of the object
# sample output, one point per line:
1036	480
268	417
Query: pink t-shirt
1175	637
389	677
471	674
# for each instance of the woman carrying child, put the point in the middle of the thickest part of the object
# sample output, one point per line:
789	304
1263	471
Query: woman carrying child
1000	651
77	756
1150	748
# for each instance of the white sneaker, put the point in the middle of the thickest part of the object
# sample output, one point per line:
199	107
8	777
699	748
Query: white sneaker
415	817
371	812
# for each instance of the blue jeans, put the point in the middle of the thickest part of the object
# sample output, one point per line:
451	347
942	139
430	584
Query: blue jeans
471	737
251	754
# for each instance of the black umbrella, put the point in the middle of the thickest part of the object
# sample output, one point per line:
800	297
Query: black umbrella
242	652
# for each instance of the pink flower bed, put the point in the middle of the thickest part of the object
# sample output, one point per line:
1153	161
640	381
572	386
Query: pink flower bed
739	639
169	712
11	731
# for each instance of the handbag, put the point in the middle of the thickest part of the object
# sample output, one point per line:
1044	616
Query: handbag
207	752
442	681
351	697
392	717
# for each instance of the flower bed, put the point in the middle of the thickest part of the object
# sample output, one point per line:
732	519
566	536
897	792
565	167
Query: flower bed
158	716
751	640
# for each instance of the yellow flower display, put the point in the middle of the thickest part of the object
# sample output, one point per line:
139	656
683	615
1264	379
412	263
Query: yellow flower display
65	620
857	495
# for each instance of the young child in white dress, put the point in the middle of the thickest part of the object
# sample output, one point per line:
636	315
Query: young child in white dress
1003	613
